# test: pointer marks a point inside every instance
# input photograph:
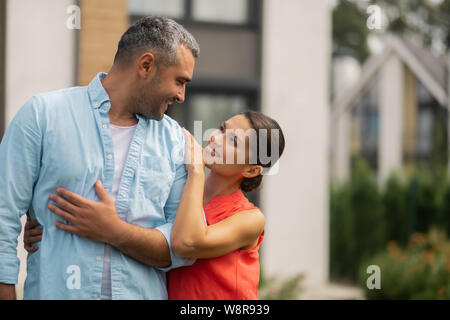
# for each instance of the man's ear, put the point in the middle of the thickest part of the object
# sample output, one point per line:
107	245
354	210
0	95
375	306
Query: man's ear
146	64
252	171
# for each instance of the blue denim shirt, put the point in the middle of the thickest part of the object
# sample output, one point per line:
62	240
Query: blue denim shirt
62	139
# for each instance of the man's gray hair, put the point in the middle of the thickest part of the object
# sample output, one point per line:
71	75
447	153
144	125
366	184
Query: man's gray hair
159	35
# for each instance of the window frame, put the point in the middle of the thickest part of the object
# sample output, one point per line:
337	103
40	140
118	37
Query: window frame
187	105
253	18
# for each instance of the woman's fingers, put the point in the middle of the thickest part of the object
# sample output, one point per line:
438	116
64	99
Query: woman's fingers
31	249
34	239
30	237
31	224
32	234
188	149
194	152
30	240
35	232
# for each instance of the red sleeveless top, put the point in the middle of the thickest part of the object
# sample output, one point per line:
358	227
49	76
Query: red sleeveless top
233	276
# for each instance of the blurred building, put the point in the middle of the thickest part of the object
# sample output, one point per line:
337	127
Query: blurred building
272	56
394	114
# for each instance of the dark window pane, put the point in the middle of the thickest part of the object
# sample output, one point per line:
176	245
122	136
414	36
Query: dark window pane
176	111
213	109
236	50
424	132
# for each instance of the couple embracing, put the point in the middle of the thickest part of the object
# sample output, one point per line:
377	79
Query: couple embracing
115	191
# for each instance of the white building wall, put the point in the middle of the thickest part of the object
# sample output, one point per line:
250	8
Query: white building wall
40	50
295	91
40	56
391	117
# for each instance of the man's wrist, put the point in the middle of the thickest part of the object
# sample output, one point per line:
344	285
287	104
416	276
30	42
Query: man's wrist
116	233
196	173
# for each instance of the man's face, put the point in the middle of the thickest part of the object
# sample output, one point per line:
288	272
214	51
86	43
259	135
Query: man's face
167	86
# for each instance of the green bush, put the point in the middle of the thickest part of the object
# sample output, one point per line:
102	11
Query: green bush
276	289
357	223
420	271
365	217
395	210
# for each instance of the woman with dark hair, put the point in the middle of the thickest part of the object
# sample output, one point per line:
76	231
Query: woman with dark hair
226	244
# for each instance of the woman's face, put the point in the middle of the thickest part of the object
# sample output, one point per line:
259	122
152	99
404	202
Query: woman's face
229	148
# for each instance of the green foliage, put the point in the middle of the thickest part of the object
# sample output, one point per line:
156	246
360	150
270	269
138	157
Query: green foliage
424	18
420	271
272	288
357	223
395	210
364	217
349	29
275	289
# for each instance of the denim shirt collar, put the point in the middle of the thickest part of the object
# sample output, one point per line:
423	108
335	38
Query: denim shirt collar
97	93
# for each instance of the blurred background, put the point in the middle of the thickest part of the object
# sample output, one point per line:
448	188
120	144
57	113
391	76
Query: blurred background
360	89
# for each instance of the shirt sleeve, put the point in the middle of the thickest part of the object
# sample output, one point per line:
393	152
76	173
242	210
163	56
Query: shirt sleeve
20	153
173	201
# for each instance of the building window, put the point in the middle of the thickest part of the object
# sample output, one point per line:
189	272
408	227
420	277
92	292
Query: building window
431	131
365	115
424	133
170	8
209	108
230	11
217	12
213	109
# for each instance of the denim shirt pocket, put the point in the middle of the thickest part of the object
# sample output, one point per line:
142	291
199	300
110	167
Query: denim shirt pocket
156	179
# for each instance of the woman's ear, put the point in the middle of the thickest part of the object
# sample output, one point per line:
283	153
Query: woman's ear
252	171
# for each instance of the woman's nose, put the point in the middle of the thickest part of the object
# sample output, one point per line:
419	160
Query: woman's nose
214	135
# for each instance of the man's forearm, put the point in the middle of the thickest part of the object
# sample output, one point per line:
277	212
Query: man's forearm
7	291
146	245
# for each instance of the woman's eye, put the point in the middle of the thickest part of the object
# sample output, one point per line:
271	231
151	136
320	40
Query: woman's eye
233	139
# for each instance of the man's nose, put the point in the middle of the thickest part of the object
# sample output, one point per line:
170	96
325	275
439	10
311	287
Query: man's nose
180	95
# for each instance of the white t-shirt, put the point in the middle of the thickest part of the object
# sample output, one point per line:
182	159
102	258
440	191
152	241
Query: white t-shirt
121	137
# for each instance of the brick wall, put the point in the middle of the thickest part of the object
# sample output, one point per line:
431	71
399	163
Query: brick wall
102	24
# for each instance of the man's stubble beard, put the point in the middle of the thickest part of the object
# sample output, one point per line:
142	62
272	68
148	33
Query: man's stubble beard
146	104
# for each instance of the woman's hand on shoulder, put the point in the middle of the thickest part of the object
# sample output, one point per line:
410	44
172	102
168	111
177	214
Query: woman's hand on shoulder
193	158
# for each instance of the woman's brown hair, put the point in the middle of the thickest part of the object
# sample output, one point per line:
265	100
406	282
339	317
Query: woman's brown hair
260	121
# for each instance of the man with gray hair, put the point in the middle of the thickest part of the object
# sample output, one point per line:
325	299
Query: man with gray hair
122	159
